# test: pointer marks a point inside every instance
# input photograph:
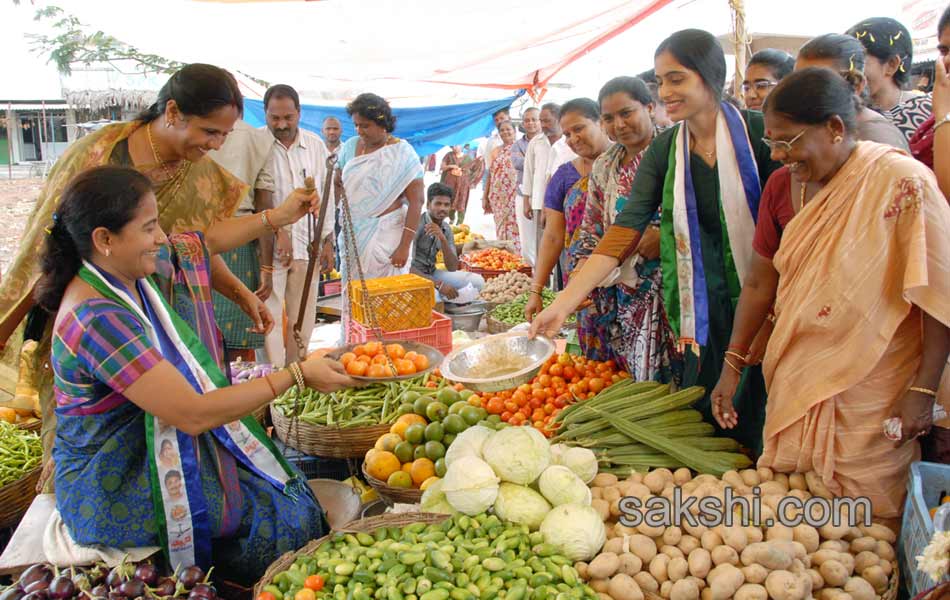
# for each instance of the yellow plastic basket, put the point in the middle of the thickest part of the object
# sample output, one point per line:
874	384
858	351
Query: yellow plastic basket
398	302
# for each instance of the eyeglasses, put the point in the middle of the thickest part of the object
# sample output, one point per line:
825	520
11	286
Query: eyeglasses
781	144
760	85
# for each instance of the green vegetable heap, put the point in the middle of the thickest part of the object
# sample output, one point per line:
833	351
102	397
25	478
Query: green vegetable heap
20	452
512	313
463	558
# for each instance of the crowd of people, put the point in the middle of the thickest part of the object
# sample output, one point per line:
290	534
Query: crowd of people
788	250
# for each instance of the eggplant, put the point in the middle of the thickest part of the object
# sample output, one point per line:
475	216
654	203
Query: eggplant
114	595
100	591
132	588
191	577
62	588
14	592
39	595
204	590
35	573
97	575
115	577
36	586
194	596
166	587
146	572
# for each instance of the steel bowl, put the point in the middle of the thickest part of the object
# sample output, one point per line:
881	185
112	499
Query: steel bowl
466	317
458	365
435	358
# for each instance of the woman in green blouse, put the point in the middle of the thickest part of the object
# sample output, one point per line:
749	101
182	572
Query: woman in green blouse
706	175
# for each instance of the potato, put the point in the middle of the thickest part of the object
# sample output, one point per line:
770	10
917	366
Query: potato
700	583
659	566
798	567
696	531
672	551
711	540
646	582
796	481
643	547
677	569
886	566
753	534
612	494
853	534
630	564
859	589
765	474
651	531
734	537
604	565
596	493
599	585
602	507
733	479
771	501
802	495
622	530
625	487
807	536
668	491
672	536
847	561
699	562
751	591
779	532
614	545
885	550
689	487
635	477
838	546
581	568
754	573
833	573
750	477
665	589
638	490
681	476
706	594
624	587
724	581
655	480
825	554
876	577
614	512
724	554
817	582
783	479
863	544
782	585
772	488
604	480
687	544
769	555
817	486
829	531
604	596
833	594
685	589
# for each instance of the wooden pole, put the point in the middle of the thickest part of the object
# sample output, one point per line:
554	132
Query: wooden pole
43	130
9	141
741	44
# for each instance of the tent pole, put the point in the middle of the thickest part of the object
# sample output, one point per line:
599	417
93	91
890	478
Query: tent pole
740	41
8	119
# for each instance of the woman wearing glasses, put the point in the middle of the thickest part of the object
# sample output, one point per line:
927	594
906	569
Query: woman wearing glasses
766	68
860	289
706	173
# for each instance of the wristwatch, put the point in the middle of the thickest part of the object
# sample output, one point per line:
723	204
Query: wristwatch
943	121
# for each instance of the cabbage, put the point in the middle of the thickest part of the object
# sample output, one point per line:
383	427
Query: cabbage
468	443
517	454
577	531
522	505
560	485
582	461
433	500
557	451
470	485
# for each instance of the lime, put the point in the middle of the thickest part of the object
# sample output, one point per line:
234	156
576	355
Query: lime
482	413
440	467
409	396
488	424
456	423
457	408
403	452
404	409
420	405
448	439
466	394
493	418
434	450
419	452
415	433
436	411
434	432
471	414
448	396
400	479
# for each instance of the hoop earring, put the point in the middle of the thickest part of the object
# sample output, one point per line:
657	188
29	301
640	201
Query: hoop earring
838	139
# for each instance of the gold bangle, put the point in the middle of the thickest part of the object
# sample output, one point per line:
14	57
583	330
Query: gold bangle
297	374
270	384
265	218
923	390
733	367
536	293
735	354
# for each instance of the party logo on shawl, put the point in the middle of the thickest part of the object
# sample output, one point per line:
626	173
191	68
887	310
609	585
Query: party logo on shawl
910	192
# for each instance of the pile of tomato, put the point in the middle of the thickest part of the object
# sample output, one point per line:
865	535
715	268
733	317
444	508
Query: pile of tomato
562	380
495	259
372	359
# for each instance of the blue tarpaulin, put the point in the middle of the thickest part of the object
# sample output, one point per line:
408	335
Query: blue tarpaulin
428	128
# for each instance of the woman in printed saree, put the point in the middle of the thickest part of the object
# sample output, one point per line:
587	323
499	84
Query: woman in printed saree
706	172
629	302
153	446
861	290
194	112
460	172
565	200
500	199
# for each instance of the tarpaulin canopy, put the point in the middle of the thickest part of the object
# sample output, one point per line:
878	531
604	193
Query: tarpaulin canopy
428	129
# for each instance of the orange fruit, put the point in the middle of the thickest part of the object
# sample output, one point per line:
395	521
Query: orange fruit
395	351
405	366
382	464
388	442
7	414
421	361
356	367
399	429
411	355
377	370
346	358
380	359
373	348
364	358
425	484
407	467
359	350
412	419
422	469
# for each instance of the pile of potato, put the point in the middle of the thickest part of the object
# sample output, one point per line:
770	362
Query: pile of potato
753	562
506	287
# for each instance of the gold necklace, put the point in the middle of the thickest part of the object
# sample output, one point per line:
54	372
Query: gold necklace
178	177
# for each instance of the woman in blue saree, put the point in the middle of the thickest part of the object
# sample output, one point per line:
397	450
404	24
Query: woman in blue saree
153	447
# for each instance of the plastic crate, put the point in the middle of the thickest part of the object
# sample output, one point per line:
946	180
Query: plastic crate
314	467
331	287
438	334
492	273
927	482
398	302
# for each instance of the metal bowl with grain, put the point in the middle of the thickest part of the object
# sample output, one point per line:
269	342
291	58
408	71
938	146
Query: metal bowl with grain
467	364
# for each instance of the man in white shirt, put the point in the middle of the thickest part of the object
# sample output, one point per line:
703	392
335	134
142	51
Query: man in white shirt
526	226
246	153
297	154
544	155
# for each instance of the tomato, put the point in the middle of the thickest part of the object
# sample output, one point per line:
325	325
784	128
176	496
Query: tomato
570	372
314	582
615	378
380	359
405	366
517	419
581	386
346	358
378	371
549	409
624	375
611	364
597	384
357	368
537	393
511	405
373	348
520	397
432	384
506	417
545	380
539	425
266	596
395	351
560	401
556	370
495	405
305	594
536	402
544	369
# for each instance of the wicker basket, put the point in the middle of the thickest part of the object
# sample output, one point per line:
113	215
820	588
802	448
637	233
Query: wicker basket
34	426
894	585
362	525
495	326
391	495
262	415
398	302
328	442
16	497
